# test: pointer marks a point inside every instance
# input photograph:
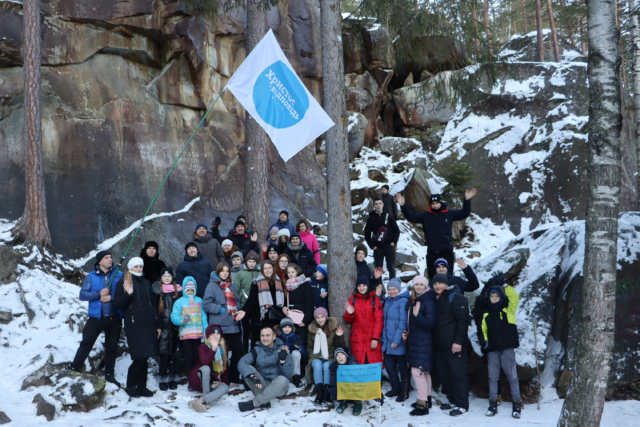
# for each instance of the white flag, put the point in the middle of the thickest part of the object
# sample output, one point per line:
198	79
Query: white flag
269	89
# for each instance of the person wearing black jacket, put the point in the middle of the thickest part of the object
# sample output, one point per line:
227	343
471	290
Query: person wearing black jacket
451	344
153	265
389	202
437	225
301	255
363	270
381	233
243	240
133	296
195	265
469	285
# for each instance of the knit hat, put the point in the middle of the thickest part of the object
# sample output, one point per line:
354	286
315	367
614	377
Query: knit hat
102	254
494	291
339	350
188	245
226	242
135	261
198	226
237	254
284	232
441	261
272	248
166	270
284	212
150	244
251	255
286	322
320	311
239	222
440	278
274	229
189	283
295	234
362	248
420	280
362	278
211	329
322	268
435	198
395	283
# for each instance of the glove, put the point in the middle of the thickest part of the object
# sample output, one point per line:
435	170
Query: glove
217	221
186	319
282	356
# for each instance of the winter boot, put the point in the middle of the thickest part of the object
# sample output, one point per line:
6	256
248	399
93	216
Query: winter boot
246	406
163	384
342	406
420	409
391	393
446	406
516	410
456	411
145	392
320	393
401	397
296	380
493	408
429	403
357	408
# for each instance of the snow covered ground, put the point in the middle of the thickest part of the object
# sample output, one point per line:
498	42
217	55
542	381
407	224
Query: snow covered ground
54	333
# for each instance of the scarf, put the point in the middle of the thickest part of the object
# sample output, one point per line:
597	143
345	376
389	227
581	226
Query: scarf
320	344
265	298
292	284
219	364
169	288
232	305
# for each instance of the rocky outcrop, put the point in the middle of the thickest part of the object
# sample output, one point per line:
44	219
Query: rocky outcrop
124	84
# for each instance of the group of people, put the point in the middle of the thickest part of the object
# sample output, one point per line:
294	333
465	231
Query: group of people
236	311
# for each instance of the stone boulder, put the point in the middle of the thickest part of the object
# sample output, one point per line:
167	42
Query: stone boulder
9	260
431	101
356	127
365	95
43	407
4	418
367	46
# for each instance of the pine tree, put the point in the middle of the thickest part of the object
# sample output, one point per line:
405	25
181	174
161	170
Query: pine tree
487	26
585	398
33	226
539	29
554	35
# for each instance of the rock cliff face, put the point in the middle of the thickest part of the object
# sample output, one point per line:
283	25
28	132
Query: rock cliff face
124	85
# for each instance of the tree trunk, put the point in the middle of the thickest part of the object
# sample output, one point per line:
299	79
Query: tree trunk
554	35
585	398
256	179
487	27
539	28
583	31
634	8
340	239
33	226
525	21
474	17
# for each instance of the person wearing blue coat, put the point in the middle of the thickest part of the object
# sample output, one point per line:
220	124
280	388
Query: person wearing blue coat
422	320
393	347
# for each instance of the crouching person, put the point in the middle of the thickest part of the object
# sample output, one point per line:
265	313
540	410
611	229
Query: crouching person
266	370
212	376
341	357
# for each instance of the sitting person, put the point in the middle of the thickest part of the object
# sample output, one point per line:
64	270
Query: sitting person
211	374
324	335
294	343
341	358
266	370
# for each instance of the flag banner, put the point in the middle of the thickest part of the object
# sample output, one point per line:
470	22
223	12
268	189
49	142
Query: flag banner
359	382
269	89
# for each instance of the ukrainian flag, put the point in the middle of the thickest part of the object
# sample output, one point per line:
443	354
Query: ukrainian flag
359	382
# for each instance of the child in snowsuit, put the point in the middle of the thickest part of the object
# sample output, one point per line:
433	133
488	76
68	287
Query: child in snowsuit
341	358
167	292
499	339
189	315
211	375
294	343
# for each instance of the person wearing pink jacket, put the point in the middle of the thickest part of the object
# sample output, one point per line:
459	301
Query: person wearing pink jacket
304	229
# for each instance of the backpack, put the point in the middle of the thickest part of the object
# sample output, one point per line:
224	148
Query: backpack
382	233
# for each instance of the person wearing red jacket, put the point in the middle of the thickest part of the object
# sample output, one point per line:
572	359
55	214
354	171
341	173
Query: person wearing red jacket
364	312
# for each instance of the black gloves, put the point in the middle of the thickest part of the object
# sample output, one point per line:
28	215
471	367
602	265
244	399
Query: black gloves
282	356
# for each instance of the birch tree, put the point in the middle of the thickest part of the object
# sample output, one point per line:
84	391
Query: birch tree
340	236
33	226
585	398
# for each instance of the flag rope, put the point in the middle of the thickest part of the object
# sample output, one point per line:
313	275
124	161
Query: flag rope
164	181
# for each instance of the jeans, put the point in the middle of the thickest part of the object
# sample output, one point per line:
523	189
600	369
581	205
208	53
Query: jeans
507	360
321	374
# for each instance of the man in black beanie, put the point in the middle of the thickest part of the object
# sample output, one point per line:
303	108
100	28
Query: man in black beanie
98	289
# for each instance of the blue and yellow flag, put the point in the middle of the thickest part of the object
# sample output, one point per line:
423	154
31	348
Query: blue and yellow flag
359	382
